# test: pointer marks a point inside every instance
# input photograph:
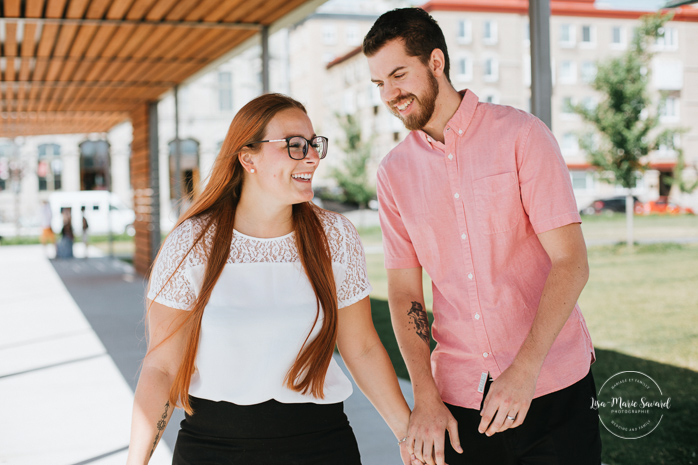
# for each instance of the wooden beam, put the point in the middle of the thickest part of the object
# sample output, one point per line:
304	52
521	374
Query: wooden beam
132	22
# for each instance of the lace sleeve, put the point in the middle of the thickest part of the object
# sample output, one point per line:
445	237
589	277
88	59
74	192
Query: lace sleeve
355	285
169	284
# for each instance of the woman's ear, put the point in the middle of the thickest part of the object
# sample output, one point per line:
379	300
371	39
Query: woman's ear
246	159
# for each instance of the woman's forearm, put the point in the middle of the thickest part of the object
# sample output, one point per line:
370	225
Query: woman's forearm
375	376
151	413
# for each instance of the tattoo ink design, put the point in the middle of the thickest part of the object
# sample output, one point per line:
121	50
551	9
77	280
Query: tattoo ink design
161	427
420	321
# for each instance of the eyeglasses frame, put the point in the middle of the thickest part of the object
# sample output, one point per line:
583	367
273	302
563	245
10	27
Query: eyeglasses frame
288	145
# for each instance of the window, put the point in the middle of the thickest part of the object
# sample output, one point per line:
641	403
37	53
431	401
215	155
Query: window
188	178
669	109
491	70
669	39
567	106
526	70
489	35
618	40
490	97
567	36
527	33
570	144
7	150
587	38
50	167
568	72
94	165
353	36
589	103
465	69
667	74
588	71
581	180
465	32
225	90
329	34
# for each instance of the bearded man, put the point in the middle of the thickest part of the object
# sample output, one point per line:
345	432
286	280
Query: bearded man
478	196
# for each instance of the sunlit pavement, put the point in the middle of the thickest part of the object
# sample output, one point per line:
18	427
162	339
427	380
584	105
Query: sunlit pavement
71	341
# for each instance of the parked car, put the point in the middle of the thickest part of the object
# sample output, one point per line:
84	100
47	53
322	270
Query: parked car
613	204
662	206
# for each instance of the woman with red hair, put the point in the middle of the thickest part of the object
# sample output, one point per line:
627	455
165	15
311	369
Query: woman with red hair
248	297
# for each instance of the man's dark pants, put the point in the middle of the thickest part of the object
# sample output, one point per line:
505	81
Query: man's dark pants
560	428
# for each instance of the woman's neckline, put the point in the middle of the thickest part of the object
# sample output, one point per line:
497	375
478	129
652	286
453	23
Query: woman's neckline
263	239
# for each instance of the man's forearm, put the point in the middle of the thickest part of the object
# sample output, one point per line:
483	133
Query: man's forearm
411	326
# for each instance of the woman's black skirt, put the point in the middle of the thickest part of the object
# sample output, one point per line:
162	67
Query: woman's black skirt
270	433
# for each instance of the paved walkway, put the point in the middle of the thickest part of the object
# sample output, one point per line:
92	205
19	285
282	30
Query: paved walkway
71	340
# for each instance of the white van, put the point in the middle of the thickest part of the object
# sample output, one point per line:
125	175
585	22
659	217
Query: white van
102	208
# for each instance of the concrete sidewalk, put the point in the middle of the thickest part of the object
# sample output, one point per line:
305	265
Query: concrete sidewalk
71	341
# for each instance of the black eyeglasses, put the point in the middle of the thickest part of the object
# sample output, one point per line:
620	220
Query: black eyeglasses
298	146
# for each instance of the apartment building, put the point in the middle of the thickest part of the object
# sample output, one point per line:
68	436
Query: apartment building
489	47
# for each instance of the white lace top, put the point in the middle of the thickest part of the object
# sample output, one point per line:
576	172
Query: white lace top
261	309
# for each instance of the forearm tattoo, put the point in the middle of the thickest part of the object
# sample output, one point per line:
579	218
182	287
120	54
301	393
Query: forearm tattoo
420	321
161	427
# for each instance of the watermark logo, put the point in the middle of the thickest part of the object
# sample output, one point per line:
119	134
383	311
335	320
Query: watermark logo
631	405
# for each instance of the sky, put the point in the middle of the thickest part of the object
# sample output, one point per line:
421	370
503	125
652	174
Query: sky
644	5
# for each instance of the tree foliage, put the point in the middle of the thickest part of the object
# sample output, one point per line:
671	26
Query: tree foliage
352	175
625	118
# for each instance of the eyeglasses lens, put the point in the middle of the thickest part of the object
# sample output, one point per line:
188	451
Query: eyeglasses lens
298	147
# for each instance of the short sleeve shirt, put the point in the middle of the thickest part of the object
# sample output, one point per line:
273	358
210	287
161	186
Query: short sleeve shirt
261	309
468	211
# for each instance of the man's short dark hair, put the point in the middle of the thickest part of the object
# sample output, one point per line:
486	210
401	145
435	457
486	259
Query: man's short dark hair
415	27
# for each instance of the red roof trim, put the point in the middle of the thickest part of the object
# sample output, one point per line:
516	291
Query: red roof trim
557	8
345	57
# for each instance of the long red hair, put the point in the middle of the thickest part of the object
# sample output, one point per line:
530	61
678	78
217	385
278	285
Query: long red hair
217	203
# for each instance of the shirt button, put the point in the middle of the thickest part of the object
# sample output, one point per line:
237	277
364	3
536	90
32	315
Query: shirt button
485	355
463	236
450	156
429	139
477	316
470	276
457	195
460	131
448	129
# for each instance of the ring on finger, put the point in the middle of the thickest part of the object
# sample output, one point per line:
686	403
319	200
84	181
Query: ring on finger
511	417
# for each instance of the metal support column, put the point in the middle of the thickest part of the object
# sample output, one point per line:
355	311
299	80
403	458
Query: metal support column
178	157
265	59
541	73
154	159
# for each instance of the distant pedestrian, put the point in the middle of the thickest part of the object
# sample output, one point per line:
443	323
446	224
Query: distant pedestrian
85	227
47	236
65	246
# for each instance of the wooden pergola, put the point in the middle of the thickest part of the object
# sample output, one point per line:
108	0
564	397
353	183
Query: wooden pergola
81	66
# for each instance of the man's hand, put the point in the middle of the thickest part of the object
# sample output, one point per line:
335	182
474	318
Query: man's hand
509	397
426	432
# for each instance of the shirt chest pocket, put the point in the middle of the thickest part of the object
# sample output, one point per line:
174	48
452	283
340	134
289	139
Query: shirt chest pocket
498	203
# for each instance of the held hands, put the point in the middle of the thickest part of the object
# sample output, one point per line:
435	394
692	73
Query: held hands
508	400
426	433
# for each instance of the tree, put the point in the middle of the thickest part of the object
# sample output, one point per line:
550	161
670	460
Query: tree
623	120
352	174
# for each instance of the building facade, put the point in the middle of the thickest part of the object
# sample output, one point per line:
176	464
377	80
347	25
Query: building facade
489	48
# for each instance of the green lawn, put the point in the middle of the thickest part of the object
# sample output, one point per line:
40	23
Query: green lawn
642	313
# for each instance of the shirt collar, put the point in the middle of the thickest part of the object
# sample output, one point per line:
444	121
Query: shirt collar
460	120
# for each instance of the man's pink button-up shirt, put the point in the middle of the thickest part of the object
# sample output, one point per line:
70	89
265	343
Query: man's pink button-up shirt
468	212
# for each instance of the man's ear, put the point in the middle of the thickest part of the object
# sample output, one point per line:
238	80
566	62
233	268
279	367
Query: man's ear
437	62
247	160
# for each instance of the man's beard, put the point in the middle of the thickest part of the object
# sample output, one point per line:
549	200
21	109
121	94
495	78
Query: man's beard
418	119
